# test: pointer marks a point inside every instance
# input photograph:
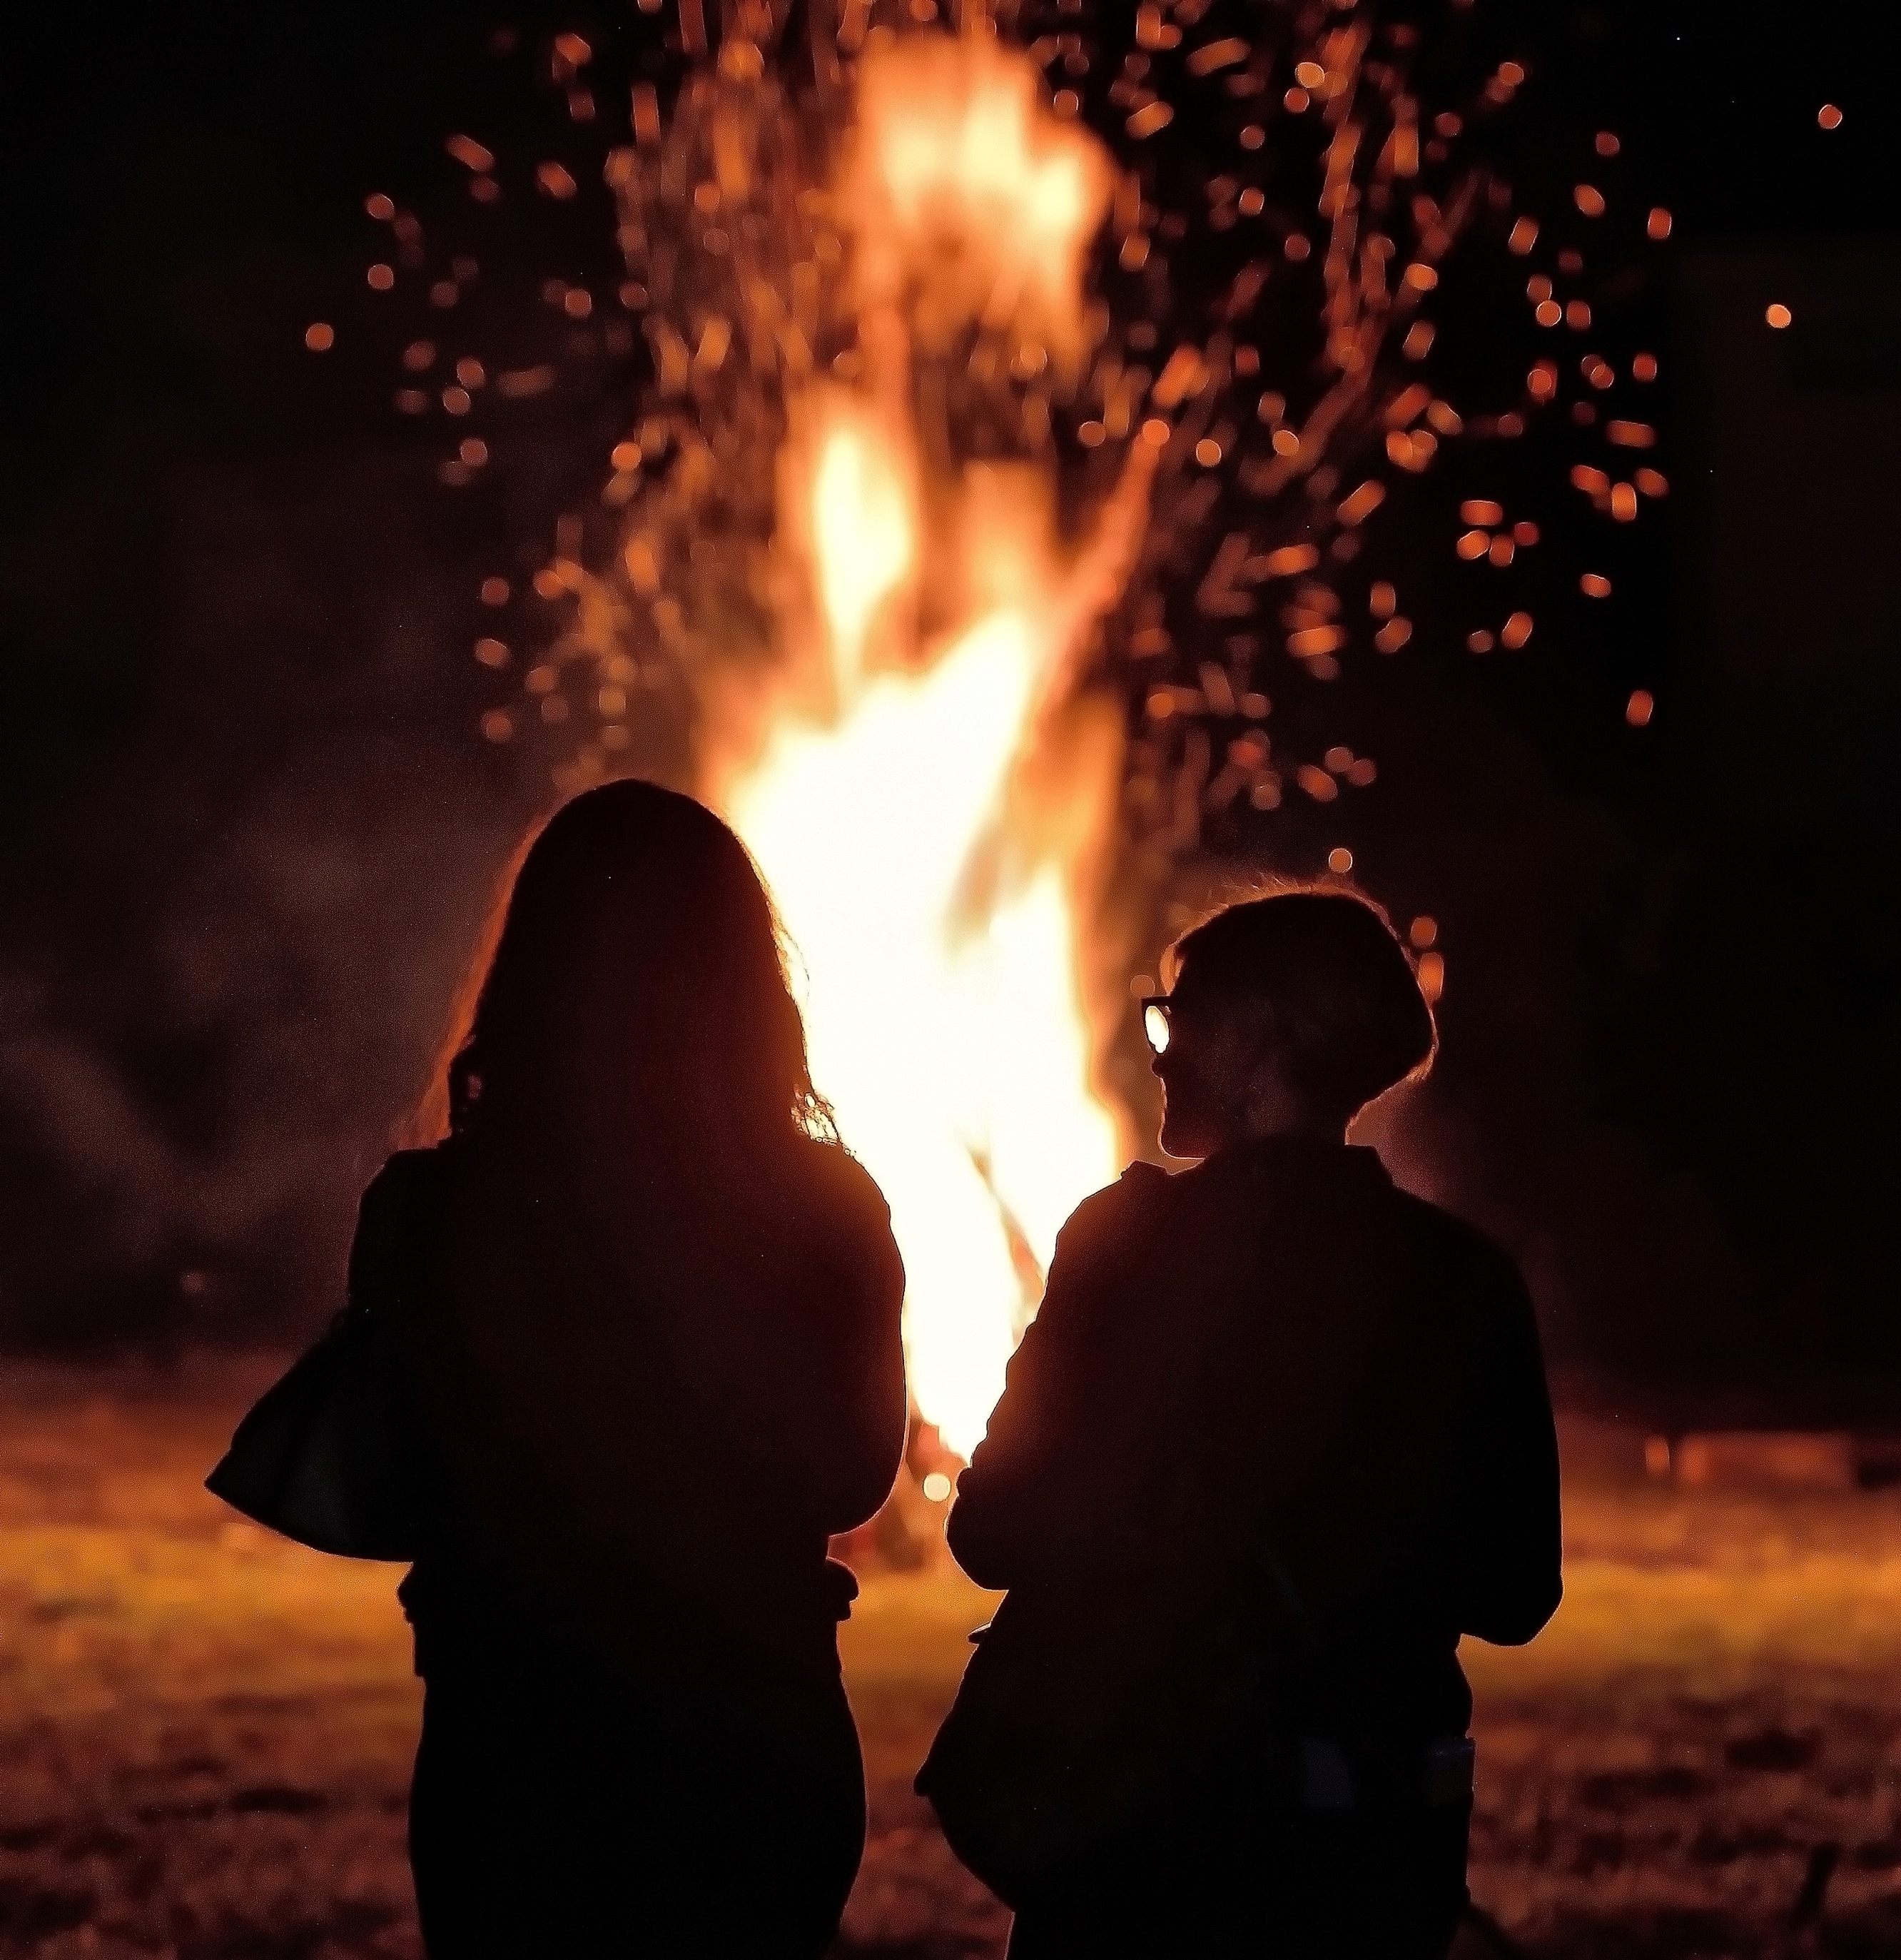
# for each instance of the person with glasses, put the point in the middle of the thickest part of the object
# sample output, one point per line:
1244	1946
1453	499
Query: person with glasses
1279	1437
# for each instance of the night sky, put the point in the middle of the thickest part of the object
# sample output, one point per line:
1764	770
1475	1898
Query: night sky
249	824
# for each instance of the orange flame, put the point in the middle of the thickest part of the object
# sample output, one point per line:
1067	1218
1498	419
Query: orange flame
929	809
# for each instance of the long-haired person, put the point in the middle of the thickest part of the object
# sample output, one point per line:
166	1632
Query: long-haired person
1279	1437
652	1309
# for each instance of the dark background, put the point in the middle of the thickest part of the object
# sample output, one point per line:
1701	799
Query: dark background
246	825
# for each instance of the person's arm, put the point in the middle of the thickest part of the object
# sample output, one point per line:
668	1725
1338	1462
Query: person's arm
853	1300
1022	1496
1513	1580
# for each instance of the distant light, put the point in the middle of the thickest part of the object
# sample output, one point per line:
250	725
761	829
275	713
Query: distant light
1309	74
1778	315
498	725
444	293
1394	635
381	278
1482	510
1515	631
1524	532
1432	971
1589	199
1510	73
1472	545
1652	483
1503	550
1298	246
1423	931
380	208
1548	313
1657	224
471	155
1339	759
494	592
1253	136
1207	452
937	1486
1639	709
1295	100
1480	642
1643	368
1624	502
1577	315
1828	117
492	653
457	401
320	336
470	372
1339	860
1657	1456
1155	433
1381	600
1524	235
1594	585
1606	144
474	452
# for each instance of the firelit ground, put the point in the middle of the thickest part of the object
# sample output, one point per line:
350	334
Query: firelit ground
205	1734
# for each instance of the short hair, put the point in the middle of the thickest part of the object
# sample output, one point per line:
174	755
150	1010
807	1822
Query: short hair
1339	988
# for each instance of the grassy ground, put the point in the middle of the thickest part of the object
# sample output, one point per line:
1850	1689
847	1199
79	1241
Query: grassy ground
205	1734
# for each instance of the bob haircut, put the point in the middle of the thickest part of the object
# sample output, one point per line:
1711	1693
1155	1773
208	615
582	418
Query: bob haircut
1338	990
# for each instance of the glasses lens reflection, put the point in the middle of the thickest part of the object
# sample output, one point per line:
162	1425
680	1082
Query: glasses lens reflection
1155	1025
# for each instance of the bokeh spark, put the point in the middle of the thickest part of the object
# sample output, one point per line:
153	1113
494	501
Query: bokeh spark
1012	420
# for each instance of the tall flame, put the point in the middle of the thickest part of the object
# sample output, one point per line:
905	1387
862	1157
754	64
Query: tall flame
927	817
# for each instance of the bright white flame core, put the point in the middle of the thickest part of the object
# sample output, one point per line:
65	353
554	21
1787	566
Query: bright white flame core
929	890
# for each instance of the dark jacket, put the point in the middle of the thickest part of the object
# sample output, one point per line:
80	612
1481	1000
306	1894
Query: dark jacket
581	1467
1278	1356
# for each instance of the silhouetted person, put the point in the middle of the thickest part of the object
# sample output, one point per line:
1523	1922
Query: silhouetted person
652	1308
1275	1398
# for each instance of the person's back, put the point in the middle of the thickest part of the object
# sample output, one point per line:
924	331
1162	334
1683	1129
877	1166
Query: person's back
650	1308
1275	1388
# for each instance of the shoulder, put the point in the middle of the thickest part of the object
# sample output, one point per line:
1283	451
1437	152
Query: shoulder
833	1181
404	1177
847	1211
1106	1218
1464	1255
401	1207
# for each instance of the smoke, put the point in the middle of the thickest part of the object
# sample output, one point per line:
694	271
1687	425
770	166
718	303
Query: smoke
233	956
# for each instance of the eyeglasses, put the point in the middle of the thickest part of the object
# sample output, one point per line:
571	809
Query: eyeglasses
1158	1024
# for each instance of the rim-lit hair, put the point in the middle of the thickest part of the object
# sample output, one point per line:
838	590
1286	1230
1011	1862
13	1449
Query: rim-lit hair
1338	990
634	927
